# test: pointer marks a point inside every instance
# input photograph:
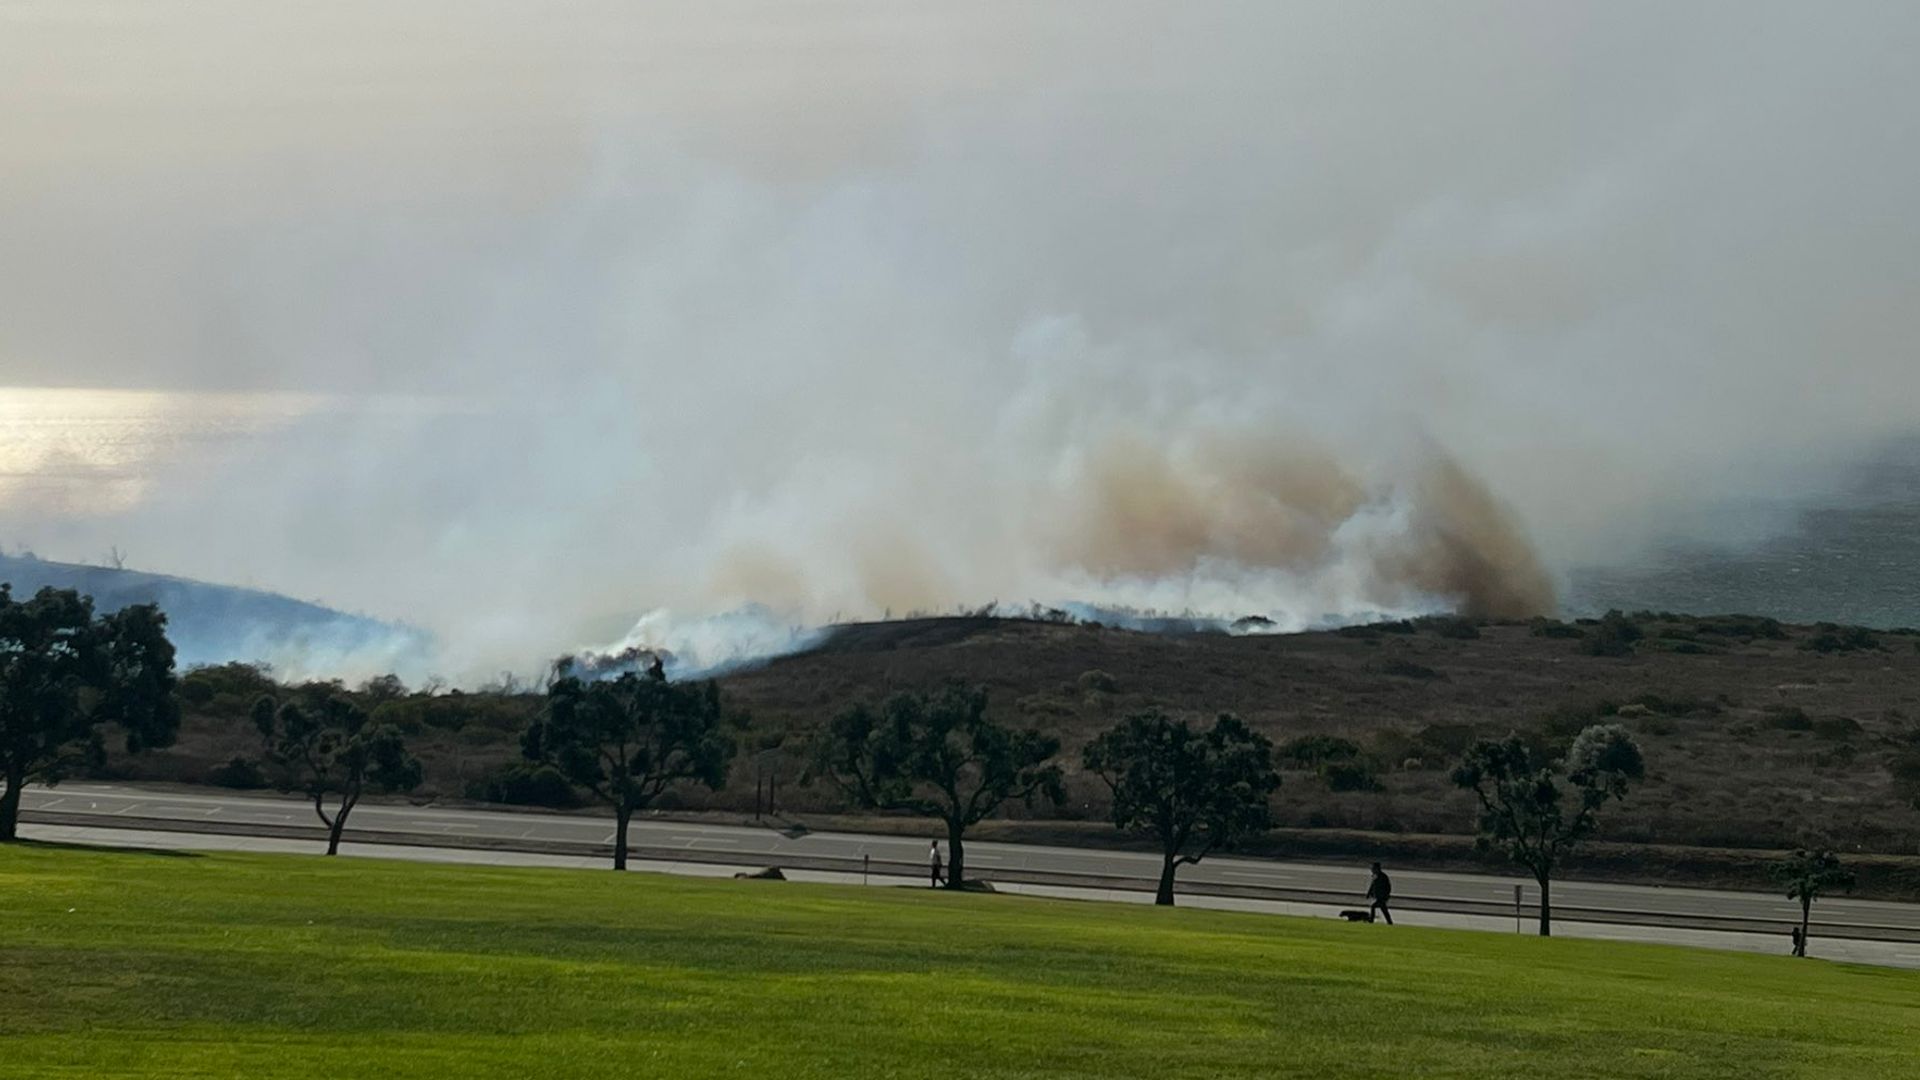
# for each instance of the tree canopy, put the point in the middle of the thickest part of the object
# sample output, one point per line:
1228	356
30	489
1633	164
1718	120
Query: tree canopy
1193	791
328	746
938	755
628	739
1538	810
65	675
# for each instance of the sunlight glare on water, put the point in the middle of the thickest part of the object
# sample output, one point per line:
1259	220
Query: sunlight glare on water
83	452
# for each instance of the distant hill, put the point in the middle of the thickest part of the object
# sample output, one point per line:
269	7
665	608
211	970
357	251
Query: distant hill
212	624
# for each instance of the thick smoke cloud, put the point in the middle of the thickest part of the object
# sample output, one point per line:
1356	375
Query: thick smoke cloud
1316	310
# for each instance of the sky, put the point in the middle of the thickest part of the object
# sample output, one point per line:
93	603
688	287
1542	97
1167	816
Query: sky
845	308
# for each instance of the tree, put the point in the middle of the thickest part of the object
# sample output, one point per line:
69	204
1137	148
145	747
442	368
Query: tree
332	747
1807	874
1540	810
937	755
1195	792
630	738
66	674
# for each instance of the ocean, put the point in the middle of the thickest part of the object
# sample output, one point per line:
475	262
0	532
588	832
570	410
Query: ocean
1850	557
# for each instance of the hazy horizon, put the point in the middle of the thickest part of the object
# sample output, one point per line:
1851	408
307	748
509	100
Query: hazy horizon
518	322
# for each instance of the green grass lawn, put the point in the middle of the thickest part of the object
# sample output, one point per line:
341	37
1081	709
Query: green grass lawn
146	964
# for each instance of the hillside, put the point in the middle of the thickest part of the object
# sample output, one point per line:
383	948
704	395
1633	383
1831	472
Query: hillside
213	623
1750	740
136	964
1755	736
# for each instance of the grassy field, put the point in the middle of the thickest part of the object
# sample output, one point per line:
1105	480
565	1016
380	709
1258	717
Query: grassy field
146	964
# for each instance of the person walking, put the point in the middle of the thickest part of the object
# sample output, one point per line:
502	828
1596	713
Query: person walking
933	864
1379	892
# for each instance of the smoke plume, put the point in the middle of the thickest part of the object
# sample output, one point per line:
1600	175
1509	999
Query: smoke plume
1312	311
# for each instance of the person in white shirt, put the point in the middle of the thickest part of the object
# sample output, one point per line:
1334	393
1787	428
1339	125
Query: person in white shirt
933	864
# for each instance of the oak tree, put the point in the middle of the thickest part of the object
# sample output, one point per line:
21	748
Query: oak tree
1538	810
938	755
628	739
1193	791
67	676
330	748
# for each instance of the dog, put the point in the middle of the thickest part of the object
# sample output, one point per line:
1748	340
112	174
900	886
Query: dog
1357	916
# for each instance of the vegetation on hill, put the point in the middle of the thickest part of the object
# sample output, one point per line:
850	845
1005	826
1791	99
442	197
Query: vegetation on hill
1756	734
136	964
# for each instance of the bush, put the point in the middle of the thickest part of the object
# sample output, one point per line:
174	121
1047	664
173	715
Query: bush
518	784
1349	776
1391	745
1677	706
1831	638
1410	670
1836	727
1569	720
1451	740
243	683
238	773
1312	751
1554	628
1449	626
1789	718
1613	635
1741	627
1840	754
1098	681
1689	648
449	712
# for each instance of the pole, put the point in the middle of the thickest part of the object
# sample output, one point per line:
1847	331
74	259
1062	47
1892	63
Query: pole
864	860
1516	908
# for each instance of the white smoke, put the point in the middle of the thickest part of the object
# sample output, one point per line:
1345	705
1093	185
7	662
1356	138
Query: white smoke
1304	310
702	645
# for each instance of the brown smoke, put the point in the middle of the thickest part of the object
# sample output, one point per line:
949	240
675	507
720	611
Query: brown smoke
1150	511
1464	544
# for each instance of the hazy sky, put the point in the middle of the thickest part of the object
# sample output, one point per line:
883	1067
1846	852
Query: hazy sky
845	306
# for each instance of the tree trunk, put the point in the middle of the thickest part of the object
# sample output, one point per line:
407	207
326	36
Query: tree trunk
956	858
1546	906
621	816
348	800
1806	916
1164	897
10	807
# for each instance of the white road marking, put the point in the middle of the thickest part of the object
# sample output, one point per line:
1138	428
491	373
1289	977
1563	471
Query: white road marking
1246	876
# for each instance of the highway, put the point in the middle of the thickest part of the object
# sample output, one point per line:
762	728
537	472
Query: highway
1872	930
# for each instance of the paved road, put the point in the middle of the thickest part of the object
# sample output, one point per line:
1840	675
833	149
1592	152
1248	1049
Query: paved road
100	805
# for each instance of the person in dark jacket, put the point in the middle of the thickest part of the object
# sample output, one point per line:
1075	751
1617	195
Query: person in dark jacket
1379	892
